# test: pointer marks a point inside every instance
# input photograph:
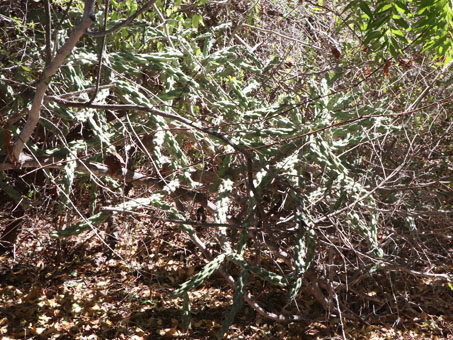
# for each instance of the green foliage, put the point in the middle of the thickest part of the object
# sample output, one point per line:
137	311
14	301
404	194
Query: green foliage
200	277
238	301
394	25
13	193
304	252
309	129
261	272
97	219
82	226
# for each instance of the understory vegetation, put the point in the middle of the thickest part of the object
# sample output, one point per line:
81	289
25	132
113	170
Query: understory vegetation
239	169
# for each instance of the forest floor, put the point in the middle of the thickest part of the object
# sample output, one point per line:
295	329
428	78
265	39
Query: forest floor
69	289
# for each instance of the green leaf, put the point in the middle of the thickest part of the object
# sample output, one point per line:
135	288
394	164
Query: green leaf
397	32
82	226
271	63
69	169
397	6
425	21
394	49
372	35
25	68
258	271
223	200
448	58
197	19
13	193
443	40
379	21
364	7
402	23
199	278
384	7
402	5
238	301
304	252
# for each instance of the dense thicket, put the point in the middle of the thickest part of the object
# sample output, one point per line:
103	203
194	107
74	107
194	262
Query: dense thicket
301	145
